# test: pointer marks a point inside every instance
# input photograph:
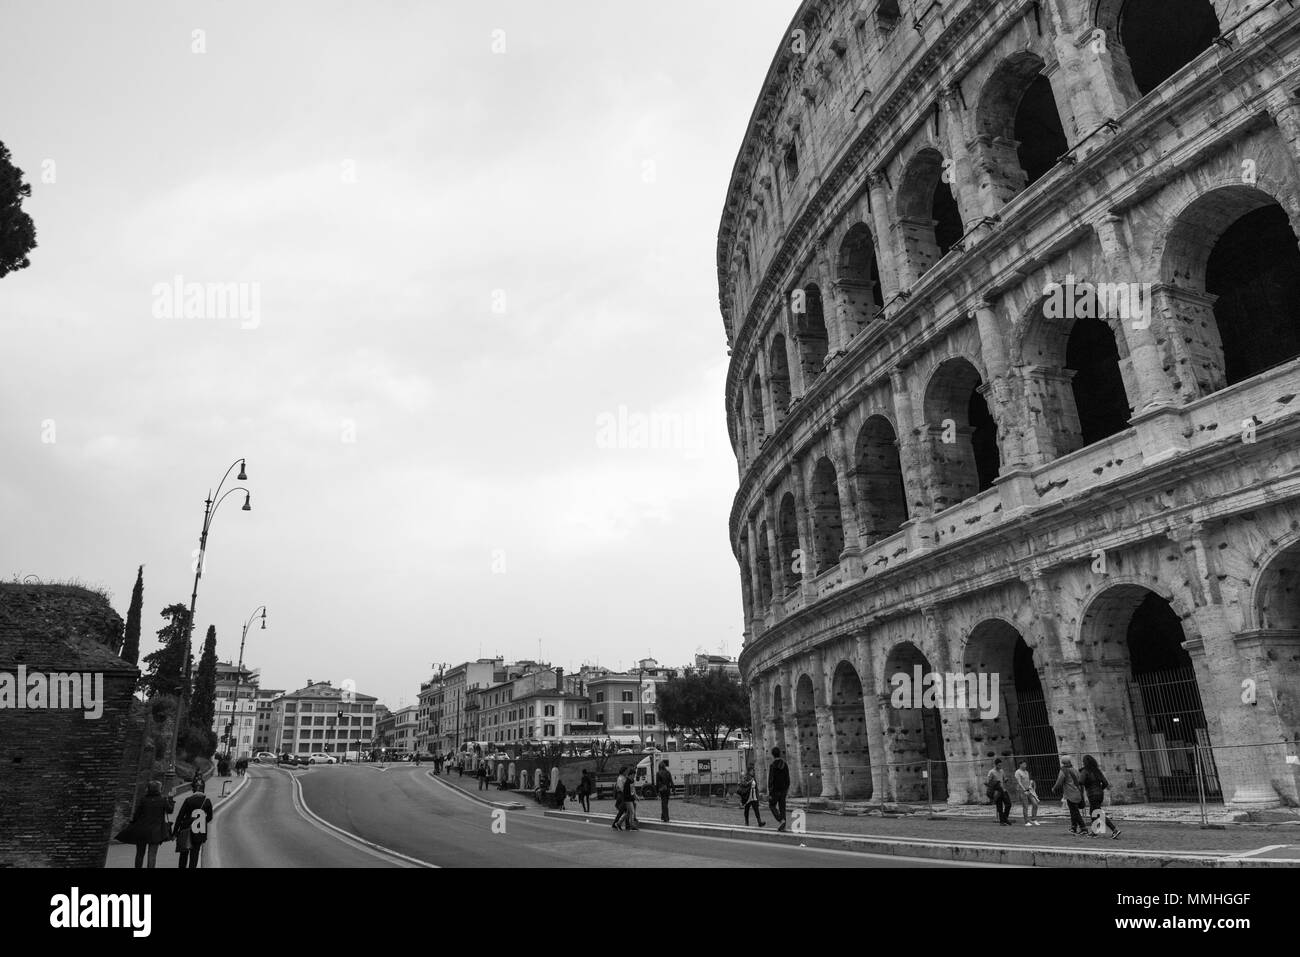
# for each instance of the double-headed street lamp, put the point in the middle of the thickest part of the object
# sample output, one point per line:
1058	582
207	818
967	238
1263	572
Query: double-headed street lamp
232	737
210	507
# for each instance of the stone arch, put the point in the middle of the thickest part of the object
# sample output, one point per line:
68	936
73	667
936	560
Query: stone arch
778	378
790	165
790	555
1233	258
849	720
828	519
1144	682
1021	135
858	276
756	419
763	563
810	757
1275	593
961	432
913	733
810	332
928	216
1151	40
1071	369
1022	727
878	475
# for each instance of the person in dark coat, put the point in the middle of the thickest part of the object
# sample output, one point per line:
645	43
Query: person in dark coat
585	788
748	791
629	799
1067	785
1094	788
149	826
192	820
778	785
664	785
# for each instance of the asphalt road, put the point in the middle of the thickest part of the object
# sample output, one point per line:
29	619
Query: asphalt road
403	811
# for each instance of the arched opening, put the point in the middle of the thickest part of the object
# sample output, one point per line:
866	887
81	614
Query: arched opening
1022	726
1098	388
963	434
1160	37
791	164
1152	680
1235	243
810	755
1021	134
859	277
1277	596
778	722
1255	272
756	409
828	520
764	563
913	733
778	371
746	582
849	718
810	330
927	213
787	539
878	473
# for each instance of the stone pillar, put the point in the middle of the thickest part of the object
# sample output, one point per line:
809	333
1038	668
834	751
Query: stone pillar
889	248
1093	70
877	747
1271	658
955	723
1286	114
756	592
790	749
974	204
1195	348
1002	388
909	447
803	514
832	308
850	512
765	388
760	706
777	564
830	766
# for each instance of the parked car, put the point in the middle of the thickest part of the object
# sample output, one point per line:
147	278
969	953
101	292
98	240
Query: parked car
319	757
264	757
624	750
692	746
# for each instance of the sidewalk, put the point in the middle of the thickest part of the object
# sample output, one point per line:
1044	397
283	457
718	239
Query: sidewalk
123	855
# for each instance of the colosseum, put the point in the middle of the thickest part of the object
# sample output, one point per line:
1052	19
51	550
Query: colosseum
1012	295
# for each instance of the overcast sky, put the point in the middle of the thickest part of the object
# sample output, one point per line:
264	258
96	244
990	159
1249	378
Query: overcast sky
462	259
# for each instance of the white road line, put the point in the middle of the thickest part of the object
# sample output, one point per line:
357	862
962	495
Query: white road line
370	847
1261	850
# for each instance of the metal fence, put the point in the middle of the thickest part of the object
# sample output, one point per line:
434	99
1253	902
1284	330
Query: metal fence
1173	773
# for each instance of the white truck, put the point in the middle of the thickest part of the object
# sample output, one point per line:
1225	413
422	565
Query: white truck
717	771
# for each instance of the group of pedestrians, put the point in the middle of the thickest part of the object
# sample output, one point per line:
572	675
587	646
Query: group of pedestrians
625	801
150	826
1074	787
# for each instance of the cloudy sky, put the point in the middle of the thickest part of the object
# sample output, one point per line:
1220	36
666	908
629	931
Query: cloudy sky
476	246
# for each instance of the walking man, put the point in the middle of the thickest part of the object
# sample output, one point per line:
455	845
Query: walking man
191	826
664	785
778	784
1028	795
482	775
995	785
620	804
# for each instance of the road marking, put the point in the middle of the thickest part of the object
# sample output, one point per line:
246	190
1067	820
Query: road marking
1261	850
300	805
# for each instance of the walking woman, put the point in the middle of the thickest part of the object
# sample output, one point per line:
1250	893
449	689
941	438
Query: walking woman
585	787
620	804
1094	786
1067	785
749	797
149	826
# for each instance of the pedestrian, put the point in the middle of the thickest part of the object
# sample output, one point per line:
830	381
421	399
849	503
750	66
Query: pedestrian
460	767
1027	787
1067	785
778	785
149	826
482	775
1094	787
191	826
664	785
561	792
417	759
748	791
620	803
585	786
995	785
629	799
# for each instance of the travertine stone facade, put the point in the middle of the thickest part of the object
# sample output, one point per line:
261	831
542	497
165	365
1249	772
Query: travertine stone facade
1012	295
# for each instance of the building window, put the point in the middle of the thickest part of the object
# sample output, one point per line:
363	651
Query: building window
649	717
627	696
600	696
531	709
582	713
550	731
550	711
627	719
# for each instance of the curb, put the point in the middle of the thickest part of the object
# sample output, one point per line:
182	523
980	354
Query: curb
301	801
503	805
956	851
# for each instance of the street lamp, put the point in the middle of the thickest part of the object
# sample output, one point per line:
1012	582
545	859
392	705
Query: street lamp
239	674
210	507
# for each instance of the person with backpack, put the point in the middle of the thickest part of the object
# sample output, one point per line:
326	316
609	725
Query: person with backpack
995	785
1067	785
1094	787
778	785
748	792
1028	794
664	785
191	828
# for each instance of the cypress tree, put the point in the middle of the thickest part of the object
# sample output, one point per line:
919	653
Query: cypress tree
204	703
131	642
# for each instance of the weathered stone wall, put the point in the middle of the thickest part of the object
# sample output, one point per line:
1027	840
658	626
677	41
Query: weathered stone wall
61	773
864	120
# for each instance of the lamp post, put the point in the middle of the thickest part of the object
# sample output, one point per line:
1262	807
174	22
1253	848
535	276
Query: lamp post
210	507
239	674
